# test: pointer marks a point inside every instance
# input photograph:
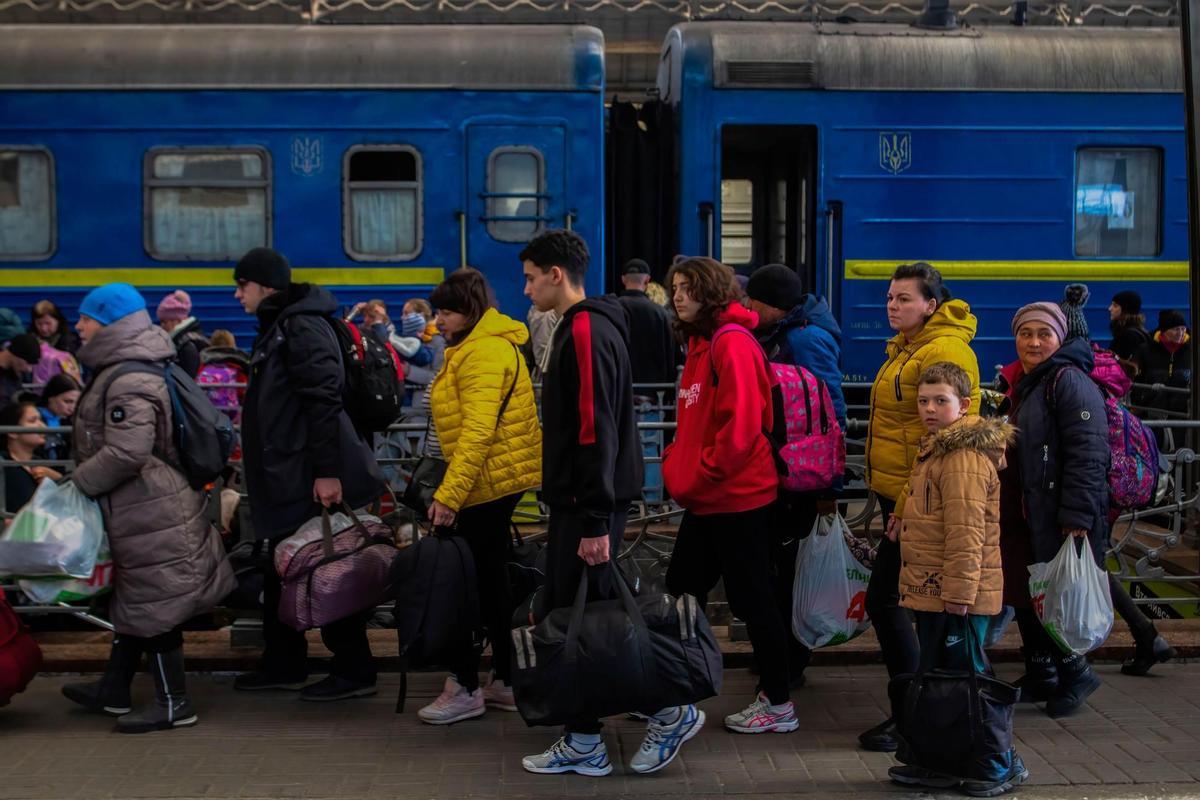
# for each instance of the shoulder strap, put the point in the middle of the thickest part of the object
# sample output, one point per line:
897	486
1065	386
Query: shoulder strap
712	348
1052	385
511	389
129	367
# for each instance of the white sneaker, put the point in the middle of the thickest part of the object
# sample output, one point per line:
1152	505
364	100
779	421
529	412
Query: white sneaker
563	757
759	718
662	742
454	704
498	694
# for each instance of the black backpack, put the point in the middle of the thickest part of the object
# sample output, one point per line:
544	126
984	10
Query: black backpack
204	436
437	602
374	385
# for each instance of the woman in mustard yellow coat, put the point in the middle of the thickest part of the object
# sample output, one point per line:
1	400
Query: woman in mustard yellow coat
485	425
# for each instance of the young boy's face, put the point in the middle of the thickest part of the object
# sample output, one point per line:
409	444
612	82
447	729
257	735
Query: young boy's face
939	405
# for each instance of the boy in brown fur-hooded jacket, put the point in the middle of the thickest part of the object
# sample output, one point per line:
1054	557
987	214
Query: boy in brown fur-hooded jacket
950	538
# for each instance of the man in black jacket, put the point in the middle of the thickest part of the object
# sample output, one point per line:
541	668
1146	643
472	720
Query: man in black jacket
300	453
656	356
591	472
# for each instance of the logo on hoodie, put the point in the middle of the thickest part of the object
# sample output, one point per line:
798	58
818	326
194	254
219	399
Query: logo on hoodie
690	396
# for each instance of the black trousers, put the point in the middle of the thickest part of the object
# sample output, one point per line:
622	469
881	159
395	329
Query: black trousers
792	519
564	570
736	547
160	643
487	530
1140	625
897	639
286	652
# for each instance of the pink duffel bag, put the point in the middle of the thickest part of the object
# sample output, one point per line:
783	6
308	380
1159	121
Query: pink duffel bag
337	575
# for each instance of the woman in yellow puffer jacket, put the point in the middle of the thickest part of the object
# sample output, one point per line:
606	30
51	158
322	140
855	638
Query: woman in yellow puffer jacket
485	425
930	327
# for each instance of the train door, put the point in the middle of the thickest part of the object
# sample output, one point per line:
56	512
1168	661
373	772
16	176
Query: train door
768	189
515	190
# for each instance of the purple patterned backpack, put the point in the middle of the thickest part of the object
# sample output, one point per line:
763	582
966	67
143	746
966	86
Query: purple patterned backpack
815	450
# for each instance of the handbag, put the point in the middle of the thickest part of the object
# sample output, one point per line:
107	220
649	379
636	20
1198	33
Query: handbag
954	722
606	657
337	575
430	471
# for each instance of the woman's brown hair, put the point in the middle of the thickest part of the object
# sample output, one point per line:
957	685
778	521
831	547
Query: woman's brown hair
466	292
712	285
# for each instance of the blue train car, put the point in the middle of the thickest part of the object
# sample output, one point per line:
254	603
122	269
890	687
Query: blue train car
377	158
1014	159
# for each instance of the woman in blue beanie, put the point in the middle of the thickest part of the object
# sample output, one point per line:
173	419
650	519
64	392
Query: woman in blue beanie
169	564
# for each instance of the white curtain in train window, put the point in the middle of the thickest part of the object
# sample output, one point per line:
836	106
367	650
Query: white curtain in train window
25	198
207	221
1117	202
515	172
384	221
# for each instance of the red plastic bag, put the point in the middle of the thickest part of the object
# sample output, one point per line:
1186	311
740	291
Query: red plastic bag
20	656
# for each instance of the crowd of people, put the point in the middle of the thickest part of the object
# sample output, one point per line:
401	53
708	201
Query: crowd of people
968	503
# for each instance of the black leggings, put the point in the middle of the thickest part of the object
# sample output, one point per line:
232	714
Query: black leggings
161	643
736	547
1140	625
793	516
487	530
897	639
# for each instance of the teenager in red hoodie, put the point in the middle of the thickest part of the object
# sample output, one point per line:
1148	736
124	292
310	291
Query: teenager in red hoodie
720	468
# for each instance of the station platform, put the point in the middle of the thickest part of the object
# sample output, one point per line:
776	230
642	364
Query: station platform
1137	737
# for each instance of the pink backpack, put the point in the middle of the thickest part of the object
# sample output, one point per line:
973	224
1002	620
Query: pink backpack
54	362
224	398
809	448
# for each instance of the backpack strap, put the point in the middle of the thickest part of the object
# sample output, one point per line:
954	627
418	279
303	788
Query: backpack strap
160	369
1052	386
775	401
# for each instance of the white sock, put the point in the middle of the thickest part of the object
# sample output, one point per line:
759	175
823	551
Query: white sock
584	742
669	715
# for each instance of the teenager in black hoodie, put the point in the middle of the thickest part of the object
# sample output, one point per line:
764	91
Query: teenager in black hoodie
591	472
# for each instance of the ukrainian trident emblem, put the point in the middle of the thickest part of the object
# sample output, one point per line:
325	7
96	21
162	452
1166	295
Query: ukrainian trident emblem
895	151
306	156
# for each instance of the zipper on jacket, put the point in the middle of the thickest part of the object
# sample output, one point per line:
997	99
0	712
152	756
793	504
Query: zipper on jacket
898	395
928	492
1046	466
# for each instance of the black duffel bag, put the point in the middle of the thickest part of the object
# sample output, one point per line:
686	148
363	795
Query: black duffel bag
954	722
608	657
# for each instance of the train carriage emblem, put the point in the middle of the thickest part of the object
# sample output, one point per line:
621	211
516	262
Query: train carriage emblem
306	155
895	151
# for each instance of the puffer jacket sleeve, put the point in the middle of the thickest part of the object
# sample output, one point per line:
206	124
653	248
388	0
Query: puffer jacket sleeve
817	351
130	430
314	371
484	376
1083	455
966	481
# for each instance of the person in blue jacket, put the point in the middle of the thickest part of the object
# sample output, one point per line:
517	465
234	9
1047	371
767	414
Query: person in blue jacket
798	328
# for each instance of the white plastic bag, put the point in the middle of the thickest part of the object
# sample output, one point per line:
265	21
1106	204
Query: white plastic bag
1071	597
72	590
830	591
57	533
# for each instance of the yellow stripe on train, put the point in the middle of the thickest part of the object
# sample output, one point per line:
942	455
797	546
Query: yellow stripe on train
1030	270
175	277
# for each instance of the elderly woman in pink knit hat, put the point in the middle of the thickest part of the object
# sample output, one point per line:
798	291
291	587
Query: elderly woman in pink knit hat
175	317
1055	486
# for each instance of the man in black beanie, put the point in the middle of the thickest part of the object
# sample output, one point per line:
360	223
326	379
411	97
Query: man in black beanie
300	453
16	361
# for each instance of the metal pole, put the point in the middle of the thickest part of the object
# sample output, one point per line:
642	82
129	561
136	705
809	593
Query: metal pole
1190	16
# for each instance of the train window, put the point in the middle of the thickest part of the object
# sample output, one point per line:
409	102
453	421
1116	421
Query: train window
1117	202
381	202
737	221
26	203
206	203
515	196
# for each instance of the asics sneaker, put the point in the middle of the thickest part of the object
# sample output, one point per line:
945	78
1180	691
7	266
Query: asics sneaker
563	757
454	704
758	717
663	740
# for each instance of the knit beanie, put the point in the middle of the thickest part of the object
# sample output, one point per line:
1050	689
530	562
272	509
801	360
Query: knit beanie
412	324
1048	313
26	347
177	305
112	302
1129	301
777	286
266	267
1074	299
1170	318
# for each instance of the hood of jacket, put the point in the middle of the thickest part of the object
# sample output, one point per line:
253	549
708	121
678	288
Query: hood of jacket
952	318
607	305
493	323
131	338
189	325
1076	352
224	355
1109	373
812	311
987	435
738	314
298	298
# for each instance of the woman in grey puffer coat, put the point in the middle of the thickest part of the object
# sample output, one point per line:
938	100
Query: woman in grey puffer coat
169	563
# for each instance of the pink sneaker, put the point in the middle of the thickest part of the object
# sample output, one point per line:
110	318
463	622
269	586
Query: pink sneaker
498	694
454	704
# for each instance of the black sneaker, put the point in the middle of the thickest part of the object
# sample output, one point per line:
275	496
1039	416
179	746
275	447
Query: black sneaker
912	775
334	688
1017	774
881	738
259	681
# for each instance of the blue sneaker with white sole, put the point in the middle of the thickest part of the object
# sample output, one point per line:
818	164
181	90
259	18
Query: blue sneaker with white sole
563	757
663	740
